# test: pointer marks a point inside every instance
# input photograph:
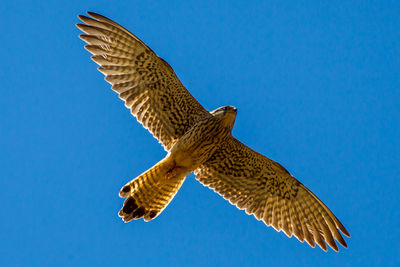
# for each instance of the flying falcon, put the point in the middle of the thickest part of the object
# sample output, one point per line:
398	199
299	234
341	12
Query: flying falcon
199	141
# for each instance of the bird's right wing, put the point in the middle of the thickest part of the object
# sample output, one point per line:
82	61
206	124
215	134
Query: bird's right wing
265	189
146	82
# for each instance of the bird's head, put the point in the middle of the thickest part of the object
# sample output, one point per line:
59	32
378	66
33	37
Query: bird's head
226	114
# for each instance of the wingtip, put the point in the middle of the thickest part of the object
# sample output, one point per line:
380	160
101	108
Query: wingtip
91	16
345	232
91	13
82	36
322	245
334	246
96	15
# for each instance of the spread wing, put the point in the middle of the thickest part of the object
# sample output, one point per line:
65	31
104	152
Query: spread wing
146	82
265	189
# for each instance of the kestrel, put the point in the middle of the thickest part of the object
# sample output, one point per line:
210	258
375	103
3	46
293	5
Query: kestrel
198	141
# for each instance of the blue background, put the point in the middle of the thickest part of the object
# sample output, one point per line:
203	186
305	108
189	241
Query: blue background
317	89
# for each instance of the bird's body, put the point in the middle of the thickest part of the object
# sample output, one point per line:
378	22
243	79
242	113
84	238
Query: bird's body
194	148
199	141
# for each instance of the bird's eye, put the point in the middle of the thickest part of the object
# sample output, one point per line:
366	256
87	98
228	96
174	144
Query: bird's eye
224	108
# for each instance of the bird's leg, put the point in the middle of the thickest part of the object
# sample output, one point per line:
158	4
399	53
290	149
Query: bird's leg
173	171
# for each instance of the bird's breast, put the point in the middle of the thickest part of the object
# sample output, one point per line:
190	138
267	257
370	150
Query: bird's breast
199	143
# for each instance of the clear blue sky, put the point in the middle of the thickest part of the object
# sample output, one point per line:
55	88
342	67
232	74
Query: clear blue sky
317	87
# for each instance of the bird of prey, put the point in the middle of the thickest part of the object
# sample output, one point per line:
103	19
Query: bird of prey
198	141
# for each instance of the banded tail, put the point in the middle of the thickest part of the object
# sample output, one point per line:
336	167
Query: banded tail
151	192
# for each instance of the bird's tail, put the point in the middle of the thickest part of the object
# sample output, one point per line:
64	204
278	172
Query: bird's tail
150	193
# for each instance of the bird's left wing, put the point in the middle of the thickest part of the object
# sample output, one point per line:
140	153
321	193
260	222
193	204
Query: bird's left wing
146	82
265	189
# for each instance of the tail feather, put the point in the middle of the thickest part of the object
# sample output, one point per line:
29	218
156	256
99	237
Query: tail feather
150	193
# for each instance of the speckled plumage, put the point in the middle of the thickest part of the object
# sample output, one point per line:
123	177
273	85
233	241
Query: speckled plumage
198	141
